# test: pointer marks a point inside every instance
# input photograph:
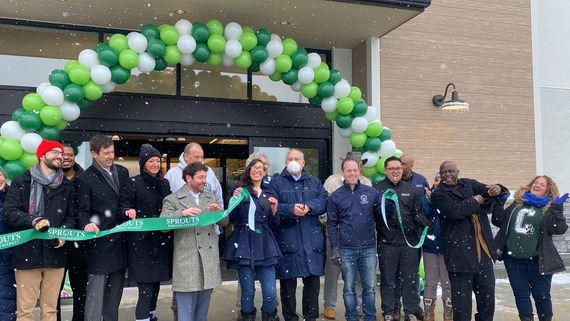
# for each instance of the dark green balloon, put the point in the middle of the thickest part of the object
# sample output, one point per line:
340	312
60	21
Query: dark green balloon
156	48
326	89
386	134
119	75
300	58
16	114
316	101
74	93
290	77
59	78
2	162
254	67
48	132
200	32
360	150
100	46
343	121
108	56
373	144
202	52
335	76
160	64
30	121
84	104
14	168
377	178
360	108
150	32
259	54
263	37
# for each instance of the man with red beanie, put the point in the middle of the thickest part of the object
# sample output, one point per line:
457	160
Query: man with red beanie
40	198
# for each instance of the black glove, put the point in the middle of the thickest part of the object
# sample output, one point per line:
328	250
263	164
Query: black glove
41	224
335	256
423	221
265	204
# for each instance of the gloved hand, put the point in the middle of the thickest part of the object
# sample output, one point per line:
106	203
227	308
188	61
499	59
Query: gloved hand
423	221
335	256
58	243
561	199
41	224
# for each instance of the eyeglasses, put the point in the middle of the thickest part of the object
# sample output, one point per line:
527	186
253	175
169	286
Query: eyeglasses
258	168
394	169
55	152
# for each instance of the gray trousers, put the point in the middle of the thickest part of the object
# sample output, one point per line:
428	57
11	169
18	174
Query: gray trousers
332	273
434	267
104	294
193	306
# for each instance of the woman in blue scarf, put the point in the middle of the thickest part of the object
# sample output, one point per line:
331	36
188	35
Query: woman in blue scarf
524	243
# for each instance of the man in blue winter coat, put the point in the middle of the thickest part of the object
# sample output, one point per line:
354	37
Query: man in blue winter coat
302	198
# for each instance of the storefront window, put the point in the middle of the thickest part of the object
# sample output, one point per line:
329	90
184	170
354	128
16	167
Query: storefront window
215	82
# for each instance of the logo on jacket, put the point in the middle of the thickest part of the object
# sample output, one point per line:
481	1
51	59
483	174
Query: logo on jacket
363	199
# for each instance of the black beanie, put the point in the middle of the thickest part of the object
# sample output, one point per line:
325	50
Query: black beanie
147	152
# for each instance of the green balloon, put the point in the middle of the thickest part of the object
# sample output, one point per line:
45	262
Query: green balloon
248	41
310	90
79	75
259	54
119	75
2	160
322	73
150	31
283	63
118	42
378	177
374	129
300	58
156	48
200	32
73	93
386	134
11	150
160	64
398	153
49	132
30	121
169	35
355	93
16	114
243	61
215	59
263	37
326	89
247	29
343	121
335	76
276	76
128	59
216	43
215	27
332	116
360	109
290	77
61	125
50	115
360	150
83	104
289	46
101	46
369	171
13	169
202	52
316	101
28	159
254	67
373	144
59	78
345	105
380	164
70	64
358	139
92	90
33	101
108	56
172	55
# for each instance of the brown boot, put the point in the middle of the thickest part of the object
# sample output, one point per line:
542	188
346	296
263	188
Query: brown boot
447	310
429	309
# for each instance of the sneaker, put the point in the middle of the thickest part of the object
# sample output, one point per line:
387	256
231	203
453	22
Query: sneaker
388	317
410	317
330	314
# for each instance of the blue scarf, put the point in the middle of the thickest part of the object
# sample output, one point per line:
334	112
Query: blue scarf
530	199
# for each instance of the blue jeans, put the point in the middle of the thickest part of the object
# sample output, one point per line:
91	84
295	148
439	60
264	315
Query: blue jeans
525	279
266	277
359	262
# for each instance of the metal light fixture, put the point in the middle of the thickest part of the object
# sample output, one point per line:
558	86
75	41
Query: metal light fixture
454	105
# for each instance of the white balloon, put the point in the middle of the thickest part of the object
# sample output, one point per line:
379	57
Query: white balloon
186	44
52	95
306	75
146	63
137	42
388	148
275	37
69	111
371	157
359	124
233	48
30	142
183	26
267	67
42	86
297	86
233	30
88	58
341	89
12	130
186	60
345	132
371	114
274	48
109	87
314	60
227	61
329	104
130	34
100	74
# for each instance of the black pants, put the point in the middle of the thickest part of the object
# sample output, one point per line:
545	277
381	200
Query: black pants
482	284
148	295
311	289
78	277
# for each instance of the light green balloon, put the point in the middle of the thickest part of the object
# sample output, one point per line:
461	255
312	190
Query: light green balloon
380	164
289	46
331	116
358	139
283	63
215	27
322	73
374	129
355	93
128	59
50	115
215	59
247	29
118	42
169	35
344	105
369	171
310	90
276	76
61	125
92	90
216	43
70	64
243	61
10	149
248	40
172	55
79	75
28	159
33	102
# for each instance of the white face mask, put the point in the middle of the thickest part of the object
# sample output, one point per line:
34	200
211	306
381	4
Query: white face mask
293	167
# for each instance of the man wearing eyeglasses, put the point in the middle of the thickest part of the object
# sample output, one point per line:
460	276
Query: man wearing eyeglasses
398	238
40	198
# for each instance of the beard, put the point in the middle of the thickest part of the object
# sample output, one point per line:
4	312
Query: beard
50	164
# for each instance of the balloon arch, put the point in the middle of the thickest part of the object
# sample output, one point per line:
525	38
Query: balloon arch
97	71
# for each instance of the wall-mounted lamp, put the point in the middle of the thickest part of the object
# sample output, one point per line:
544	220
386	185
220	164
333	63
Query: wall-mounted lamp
454	105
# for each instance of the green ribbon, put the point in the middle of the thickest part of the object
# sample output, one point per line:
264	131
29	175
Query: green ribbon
137	225
388	194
